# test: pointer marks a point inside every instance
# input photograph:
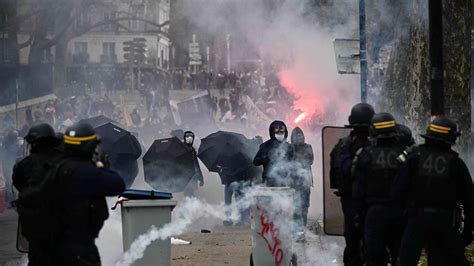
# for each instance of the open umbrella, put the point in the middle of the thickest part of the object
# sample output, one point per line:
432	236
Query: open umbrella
98	121
122	149
168	165
228	153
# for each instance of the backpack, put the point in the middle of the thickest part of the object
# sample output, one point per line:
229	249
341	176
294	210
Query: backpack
36	202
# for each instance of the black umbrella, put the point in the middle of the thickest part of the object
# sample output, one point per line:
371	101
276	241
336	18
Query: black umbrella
98	121
168	165
122	149
227	153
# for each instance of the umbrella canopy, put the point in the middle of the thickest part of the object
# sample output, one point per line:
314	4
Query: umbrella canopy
227	153
98	121
168	165
122	149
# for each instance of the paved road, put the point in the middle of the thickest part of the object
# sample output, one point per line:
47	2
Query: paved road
8	226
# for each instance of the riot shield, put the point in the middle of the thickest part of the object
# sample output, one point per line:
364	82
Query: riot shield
333	216
22	244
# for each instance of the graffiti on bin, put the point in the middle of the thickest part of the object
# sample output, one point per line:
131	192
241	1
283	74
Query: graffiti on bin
270	230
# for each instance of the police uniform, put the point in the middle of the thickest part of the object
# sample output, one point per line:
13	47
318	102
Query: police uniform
375	167
432	179
80	198
29	175
342	157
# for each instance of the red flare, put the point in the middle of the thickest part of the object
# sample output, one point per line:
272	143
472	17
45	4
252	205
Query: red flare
300	118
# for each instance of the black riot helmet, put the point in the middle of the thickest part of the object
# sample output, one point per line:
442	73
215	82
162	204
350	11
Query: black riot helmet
80	139
383	125
188	138
361	115
442	129
405	135
40	132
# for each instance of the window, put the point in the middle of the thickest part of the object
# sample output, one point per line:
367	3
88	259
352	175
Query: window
3	19
108	49
80	48
80	55
47	56
109	15
108	53
137	11
82	20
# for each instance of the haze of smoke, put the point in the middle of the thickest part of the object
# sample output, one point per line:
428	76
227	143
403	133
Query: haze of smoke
192	209
186	212
325	250
23	261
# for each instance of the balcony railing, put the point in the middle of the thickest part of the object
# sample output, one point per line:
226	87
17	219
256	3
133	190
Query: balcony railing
82	58
108	59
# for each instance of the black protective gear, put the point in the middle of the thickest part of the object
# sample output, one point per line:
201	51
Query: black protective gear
444	129
383	125
39	132
405	137
381	171
432	180
80	139
433	176
361	115
82	209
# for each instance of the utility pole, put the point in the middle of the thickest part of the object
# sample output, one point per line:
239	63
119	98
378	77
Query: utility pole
363	52
16	105
228	52
435	9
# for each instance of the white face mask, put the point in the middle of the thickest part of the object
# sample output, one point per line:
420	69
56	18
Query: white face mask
189	140
280	137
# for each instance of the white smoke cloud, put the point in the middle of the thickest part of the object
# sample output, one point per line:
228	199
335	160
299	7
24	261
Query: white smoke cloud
192	209
185	214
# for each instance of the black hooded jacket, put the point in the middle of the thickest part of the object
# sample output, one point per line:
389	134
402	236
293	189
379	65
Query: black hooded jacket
303	159
275	157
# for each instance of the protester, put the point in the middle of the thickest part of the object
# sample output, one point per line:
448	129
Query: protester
302	178
191	188
275	155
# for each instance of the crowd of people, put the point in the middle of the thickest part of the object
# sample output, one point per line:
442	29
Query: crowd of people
397	197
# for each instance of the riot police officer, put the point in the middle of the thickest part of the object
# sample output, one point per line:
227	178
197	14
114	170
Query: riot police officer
81	187
431	180
342	156
28	177
375	167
